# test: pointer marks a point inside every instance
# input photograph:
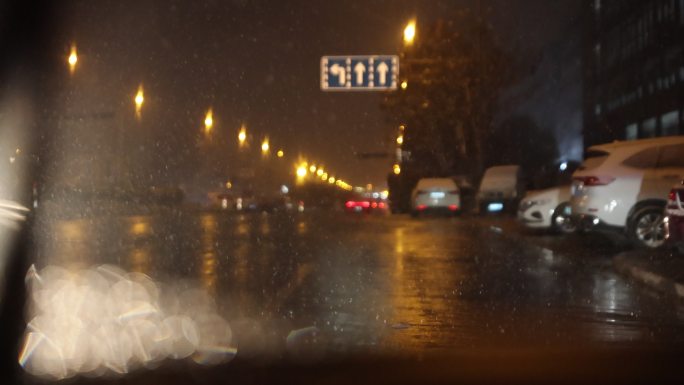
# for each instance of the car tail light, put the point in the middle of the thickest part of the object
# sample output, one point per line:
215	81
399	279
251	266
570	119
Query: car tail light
374	205
381	205
594	180
365	204
349	204
453	207
674	196
421	207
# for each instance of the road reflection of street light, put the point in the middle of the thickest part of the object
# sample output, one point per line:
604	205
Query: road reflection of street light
72	59
208	122
139	99
410	32
242	135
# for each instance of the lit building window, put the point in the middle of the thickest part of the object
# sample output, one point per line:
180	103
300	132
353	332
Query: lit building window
669	123
631	131
648	128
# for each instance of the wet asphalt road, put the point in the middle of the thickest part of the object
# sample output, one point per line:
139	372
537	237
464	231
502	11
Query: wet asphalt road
378	282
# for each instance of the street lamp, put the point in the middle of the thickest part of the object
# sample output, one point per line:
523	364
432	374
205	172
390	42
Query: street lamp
280	153
72	59
404	85
265	146
208	122
410	32
242	136
312	168
396	169
331	180
139	99
400	140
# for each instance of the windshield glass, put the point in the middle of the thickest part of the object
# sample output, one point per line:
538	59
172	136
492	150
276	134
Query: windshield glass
239	184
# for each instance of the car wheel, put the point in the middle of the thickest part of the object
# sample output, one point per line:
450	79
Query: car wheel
647	228
561	222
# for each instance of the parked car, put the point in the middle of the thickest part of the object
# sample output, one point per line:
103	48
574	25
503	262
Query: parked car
435	194
500	189
674	219
547	209
624	186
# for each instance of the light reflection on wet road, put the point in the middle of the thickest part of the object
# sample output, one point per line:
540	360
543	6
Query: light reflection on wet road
383	283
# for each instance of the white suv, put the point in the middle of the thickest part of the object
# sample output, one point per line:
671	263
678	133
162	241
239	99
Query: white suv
625	185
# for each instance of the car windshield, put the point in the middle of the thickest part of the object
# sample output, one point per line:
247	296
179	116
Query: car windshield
197	189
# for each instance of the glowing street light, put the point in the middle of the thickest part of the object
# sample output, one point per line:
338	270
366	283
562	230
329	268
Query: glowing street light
242	135
404	85
320	172
265	146
280	153
139	99
72	59
410	32
301	171
208	122
312	168
400	139
331	180
396	169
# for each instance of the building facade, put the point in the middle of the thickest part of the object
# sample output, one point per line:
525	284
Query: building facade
633	69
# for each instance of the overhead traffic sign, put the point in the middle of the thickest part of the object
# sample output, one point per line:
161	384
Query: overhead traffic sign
359	73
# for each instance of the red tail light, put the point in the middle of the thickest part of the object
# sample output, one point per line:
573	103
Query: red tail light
349	204
381	205
421	207
365	204
674	195
374	205
453	207
595	180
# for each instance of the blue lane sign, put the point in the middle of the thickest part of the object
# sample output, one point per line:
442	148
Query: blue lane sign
359	73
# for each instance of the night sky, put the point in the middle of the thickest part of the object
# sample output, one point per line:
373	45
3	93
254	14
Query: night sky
257	62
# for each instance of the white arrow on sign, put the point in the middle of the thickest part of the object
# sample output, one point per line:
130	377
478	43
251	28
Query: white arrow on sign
338	70
359	69
382	71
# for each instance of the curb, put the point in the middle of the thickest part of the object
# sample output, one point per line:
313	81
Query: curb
623	265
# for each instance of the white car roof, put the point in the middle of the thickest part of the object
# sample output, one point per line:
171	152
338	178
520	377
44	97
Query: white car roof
637	144
436	182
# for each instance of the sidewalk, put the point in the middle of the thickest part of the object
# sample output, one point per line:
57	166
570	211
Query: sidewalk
662	270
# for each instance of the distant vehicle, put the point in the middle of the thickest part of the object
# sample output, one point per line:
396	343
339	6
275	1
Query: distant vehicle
674	219
547	209
500	189
364	205
624	186
434	195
